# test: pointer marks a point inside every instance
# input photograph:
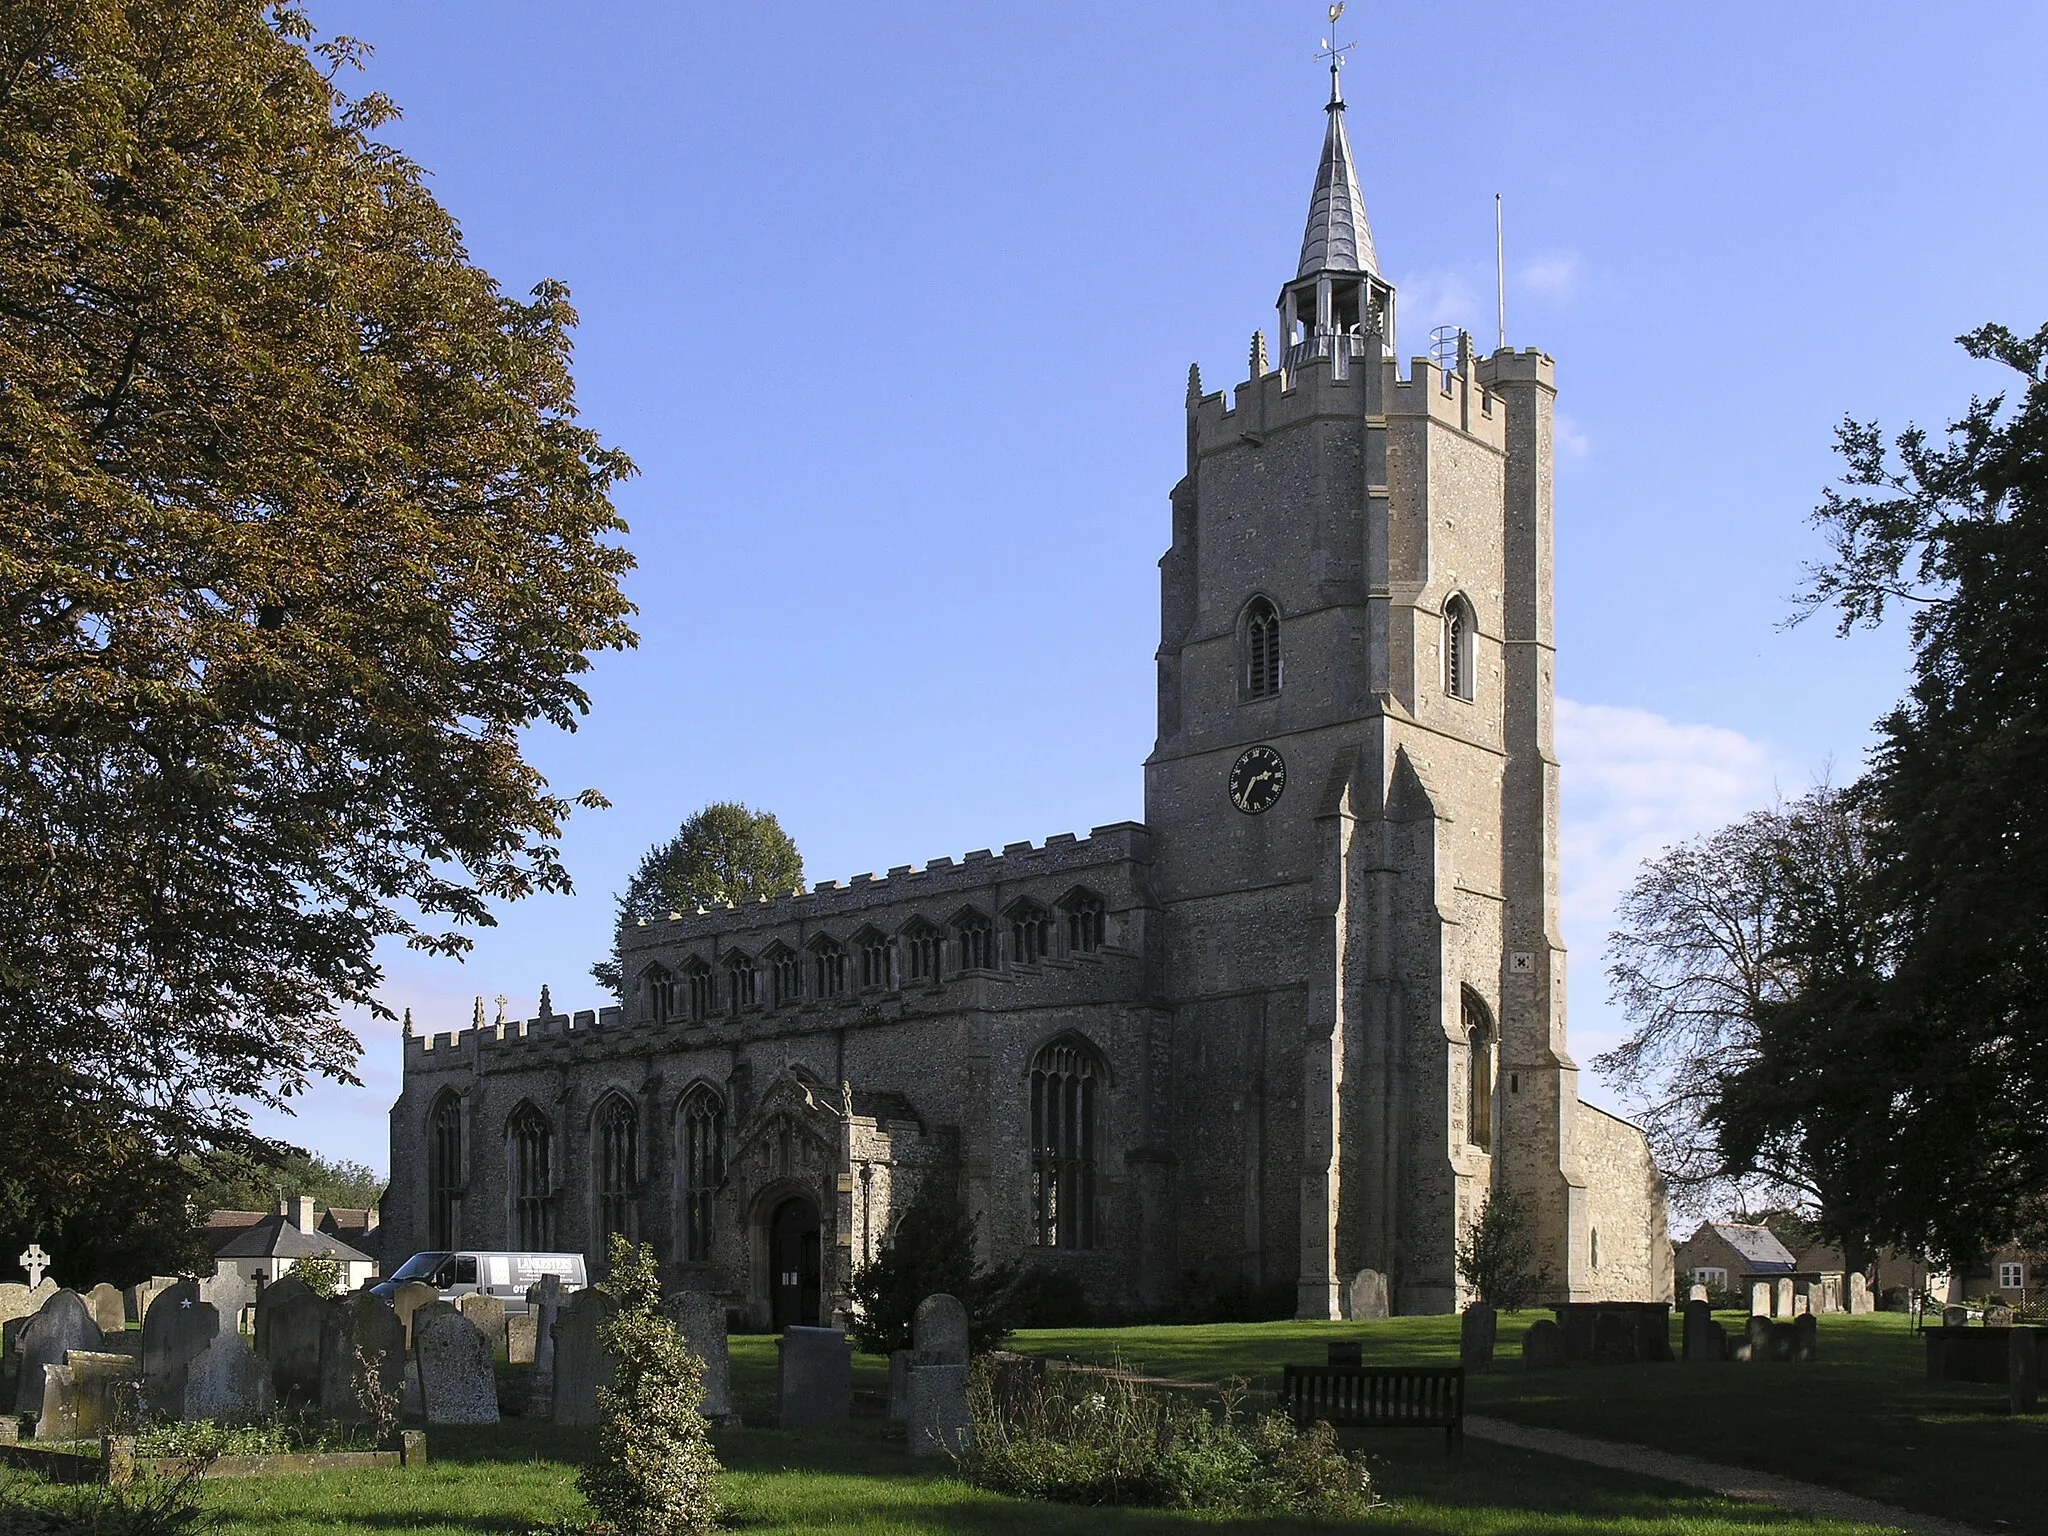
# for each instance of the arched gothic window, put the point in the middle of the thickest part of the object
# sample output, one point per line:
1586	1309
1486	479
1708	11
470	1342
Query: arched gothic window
1458	657
1066	1083
702	1167
787	970
923	951
618	1168
1479	1042
876	969
1260	646
739	982
829	960
531	1143
444	1171
977	941
1030	933
1085	922
658	987
703	991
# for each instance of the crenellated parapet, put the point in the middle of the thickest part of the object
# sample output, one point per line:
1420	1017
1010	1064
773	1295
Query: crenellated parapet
1325	387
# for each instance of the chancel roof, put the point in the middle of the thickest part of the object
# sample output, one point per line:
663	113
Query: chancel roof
1339	236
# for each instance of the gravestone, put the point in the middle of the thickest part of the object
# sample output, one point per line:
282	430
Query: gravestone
408	1299
457	1383
104	1386
1697	1293
1783	1343
231	1293
899	1384
1699	1317
227	1382
1756	1344
2023	1370
546	1301
939	1331
57	1413
288	1322
1543	1346
1716	1341
1346	1352
16	1301
1859	1294
814	1376
1955	1317
1760	1299
108	1308
940	1424
411	1404
1477	1329
1614	1341
141	1296
488	1314
1784	1303
520	1328
360	1338
1998	1315
62	1323
1368	1296
701	1321
1805	1337
176	1329
1828	1298
582	1365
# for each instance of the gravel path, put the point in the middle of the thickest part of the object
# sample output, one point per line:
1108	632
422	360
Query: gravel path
1729	1482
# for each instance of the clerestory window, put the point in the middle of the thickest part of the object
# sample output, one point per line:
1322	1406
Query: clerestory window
923	952
875	967
977	942
829	963
1085	923
1030	933
739	982
703	991
787	972
658	988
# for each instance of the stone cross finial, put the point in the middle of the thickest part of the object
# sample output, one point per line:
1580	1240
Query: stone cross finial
35	1261
502	1000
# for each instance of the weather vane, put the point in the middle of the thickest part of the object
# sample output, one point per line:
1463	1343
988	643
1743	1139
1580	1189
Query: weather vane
1331	51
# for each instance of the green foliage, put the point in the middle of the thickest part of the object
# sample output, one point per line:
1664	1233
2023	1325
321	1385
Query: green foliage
322	1275
1080	1439
255	1180
931	1252
299	537
1497	1255
283	1434
655	1472
152	1507
723	853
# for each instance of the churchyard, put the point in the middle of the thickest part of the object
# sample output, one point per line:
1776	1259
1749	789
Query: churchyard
812	1433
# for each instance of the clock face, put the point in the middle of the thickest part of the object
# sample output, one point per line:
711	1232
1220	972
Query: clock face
1256	780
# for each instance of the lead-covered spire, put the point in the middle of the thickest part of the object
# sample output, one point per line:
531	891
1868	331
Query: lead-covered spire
1339	236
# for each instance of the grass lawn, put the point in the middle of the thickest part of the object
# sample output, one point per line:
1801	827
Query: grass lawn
1863	1417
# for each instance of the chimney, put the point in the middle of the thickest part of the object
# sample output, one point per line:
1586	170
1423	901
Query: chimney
303	1217
370	1218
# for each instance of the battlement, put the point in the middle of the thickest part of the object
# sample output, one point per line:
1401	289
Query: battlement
1324	387
431	1052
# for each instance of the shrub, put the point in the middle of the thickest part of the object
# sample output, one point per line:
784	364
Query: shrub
1497	1255
1044	1298
167	1506
322	1275
1086	1439
931	1251
655	1472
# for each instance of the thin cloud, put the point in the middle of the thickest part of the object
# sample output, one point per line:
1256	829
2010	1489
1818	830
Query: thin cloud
1551	275
1572	442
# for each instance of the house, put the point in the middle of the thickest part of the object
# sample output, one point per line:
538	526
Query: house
1729	1255
272	1247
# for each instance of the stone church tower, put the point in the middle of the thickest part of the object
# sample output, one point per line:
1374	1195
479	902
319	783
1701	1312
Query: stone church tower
1300	1022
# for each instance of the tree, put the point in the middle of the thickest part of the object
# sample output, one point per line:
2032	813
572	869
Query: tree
256	1182
655	1472
1954	1038
930	1252
298	536
723	853
1497	1255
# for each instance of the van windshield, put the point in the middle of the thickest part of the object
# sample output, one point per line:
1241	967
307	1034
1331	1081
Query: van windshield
419	1266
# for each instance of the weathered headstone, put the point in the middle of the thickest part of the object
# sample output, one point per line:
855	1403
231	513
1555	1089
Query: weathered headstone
1368	1296
288	1321
232	1293
104	1387
1859	1294
1998	1315
2023	1370
701	1321
63	1323
1784	1341
814	1374
412	1404
1697	1293
1784	1303
1802	1302
1614	1340
1805	1337
108	1308
1543	1346
488	1314
1716	1343
227	1383
57	1412
939	1330
457	1383
15	1301
35	1261
520	1328
360	1338
582	1365
1756	1344
408	1299
176	1329
1955	1317
1760	1299
1699	1317
1477	1329
940	1423
546	1301
141	1296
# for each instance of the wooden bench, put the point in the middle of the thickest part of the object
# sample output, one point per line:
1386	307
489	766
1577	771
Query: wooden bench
1379	1397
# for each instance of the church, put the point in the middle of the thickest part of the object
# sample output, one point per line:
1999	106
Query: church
1300	1021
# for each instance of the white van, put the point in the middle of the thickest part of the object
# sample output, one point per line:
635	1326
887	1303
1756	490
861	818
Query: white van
503	1275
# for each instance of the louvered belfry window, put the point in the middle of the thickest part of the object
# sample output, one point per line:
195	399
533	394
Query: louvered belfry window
1261	649
1066	1081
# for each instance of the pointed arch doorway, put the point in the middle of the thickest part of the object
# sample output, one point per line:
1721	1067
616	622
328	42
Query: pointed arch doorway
795	1267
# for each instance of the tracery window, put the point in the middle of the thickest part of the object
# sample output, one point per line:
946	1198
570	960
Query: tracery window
788	972
1030	933
703	991
1066	1081
739	982
702	1167
923	952
658	987
1479	1040
1260	645
1085	923
444	1171
1458	658
977	941
876	967
618	1168
531	1143
829	961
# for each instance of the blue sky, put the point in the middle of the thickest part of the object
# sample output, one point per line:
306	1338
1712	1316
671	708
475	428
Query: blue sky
893	303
